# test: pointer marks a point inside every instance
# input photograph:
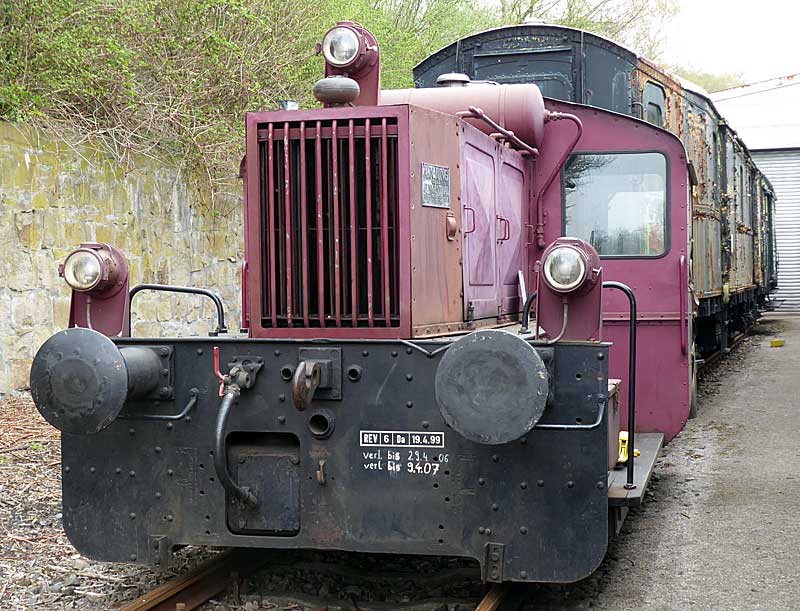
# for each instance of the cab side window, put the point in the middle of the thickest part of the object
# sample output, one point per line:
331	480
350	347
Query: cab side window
653	101
618	202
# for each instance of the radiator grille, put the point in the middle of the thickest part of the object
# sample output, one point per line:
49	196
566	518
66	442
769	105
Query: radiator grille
329	213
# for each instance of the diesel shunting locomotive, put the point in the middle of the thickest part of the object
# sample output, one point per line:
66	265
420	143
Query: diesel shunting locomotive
444	292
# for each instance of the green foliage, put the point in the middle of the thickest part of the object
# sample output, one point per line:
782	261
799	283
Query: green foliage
36	447
154	76
410	30
710	81
3	460
173	78
47	50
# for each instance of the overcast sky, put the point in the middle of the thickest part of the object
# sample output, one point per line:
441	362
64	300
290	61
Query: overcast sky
760	38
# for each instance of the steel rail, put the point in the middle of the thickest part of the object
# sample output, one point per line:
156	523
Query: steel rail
494	597
189	591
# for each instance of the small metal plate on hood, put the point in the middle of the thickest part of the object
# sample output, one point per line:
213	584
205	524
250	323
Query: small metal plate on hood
435	186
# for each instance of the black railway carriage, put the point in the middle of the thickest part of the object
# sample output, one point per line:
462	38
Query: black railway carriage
734	263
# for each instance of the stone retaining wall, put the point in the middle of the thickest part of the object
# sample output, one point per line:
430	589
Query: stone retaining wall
54	196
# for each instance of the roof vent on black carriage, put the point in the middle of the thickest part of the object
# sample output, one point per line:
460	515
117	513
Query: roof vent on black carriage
452	79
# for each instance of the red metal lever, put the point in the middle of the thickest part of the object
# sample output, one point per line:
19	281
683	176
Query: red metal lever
217	373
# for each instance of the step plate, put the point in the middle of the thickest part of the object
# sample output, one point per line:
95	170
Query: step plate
649	446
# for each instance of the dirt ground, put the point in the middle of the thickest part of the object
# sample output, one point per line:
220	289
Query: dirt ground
723	531
720	530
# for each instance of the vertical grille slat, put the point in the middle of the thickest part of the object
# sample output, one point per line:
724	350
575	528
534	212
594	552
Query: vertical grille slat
320	237
337	290
385	223
330	215
304	223
271	242
287	202
368	232
351	170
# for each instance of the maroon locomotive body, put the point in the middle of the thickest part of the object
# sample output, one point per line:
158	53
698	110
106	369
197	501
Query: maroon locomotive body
426	368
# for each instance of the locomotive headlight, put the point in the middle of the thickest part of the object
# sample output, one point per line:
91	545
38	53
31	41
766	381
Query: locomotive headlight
340	46
564	269
83	270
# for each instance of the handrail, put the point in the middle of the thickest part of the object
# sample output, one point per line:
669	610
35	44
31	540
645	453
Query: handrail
610	284
474	226
578	427
526	312
168	288
684	295
193	394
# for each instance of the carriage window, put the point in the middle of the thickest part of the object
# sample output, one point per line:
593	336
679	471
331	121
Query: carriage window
654	115
617	202
715	169
653	100
740	211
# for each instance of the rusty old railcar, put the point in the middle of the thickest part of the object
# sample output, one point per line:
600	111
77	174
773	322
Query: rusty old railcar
733	256
430	363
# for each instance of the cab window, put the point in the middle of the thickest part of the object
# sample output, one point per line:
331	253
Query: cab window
617	202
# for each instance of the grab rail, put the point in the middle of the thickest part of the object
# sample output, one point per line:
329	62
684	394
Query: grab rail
610	284
194	393
578	427
168	288
684	295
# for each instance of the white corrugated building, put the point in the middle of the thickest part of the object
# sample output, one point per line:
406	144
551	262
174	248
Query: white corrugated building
767	117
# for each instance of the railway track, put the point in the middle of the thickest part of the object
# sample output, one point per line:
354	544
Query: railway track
189	591
223	572
715	356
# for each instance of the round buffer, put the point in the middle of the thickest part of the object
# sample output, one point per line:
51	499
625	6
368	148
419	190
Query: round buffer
79	381
491	386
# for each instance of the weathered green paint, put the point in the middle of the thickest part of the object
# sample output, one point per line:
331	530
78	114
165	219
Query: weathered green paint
54	195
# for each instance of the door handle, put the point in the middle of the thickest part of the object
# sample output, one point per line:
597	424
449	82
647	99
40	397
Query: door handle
473	220
506	228
529	233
